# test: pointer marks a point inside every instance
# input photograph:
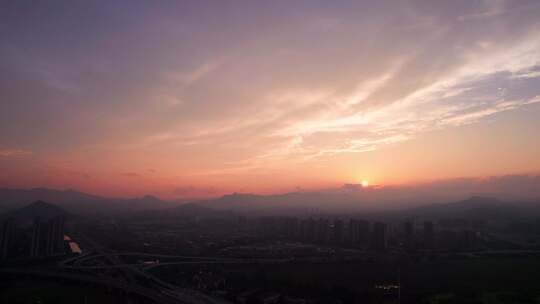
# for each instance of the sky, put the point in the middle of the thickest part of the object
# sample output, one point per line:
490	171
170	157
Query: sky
202	98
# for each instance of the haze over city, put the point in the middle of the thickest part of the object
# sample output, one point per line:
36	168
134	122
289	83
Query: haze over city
270	152
196	99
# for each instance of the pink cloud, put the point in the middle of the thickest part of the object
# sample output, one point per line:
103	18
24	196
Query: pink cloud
15	153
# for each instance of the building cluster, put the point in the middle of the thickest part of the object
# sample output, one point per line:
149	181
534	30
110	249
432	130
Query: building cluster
47	237
354	232
357	233
44	238
7	239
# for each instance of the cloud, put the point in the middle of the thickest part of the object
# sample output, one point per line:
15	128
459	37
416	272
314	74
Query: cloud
15	153
218	94
489	9
470	92
177	82
449	78
131	174
495	8
533	72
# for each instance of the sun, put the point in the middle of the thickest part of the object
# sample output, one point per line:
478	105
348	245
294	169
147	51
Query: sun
365	183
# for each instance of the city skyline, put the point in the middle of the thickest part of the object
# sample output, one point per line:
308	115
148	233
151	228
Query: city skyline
200	99
269	152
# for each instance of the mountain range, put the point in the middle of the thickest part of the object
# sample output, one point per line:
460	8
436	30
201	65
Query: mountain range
40	209
296	203
77	202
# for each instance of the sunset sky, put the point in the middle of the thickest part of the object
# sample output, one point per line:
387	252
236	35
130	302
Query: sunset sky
196	98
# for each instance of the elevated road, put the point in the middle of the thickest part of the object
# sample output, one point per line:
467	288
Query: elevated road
155	296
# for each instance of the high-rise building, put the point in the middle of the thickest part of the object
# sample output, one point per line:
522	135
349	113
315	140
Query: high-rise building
54	240
448	240
61	222
468	239
291	227
380	237
409	235
409	228
36	238
338	230
308	230
7	238
48	237
429	235
363	233
353	232
322	231
359	233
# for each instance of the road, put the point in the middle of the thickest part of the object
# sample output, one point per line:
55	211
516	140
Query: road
129	288
131	272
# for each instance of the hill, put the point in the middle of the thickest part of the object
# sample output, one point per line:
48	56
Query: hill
40	209
479	208
77	202
332	201
185	211
347	203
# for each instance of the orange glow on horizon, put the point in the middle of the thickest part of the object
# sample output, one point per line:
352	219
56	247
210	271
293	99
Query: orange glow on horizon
267	116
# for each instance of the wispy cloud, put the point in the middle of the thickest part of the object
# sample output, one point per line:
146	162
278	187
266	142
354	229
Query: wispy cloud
131	174
15	153
302	83
175	83
488	9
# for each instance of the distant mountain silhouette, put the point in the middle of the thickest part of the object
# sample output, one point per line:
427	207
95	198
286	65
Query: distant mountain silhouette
342	203
39	209
287	203
188	210
339	201
349	198
77	202
477	207
20	197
